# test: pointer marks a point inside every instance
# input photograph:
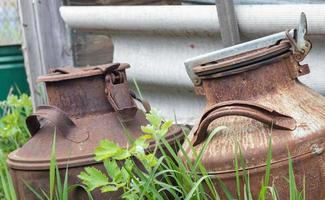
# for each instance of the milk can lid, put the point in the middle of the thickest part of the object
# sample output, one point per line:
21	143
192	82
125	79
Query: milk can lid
237	57
68	72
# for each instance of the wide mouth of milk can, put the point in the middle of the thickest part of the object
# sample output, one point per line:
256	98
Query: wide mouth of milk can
243	62
68	73
250	55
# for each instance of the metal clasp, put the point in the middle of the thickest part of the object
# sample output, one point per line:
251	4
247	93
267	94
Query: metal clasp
118	95
301	45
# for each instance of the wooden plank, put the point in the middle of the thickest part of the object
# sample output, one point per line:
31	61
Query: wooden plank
228	22
53	34
91	48
46	42
30	45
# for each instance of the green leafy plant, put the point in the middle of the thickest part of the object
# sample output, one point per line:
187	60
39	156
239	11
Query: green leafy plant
13	130
141	175
13	134
113	155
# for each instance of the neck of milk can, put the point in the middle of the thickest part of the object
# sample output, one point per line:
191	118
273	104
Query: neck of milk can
250	85
91	90
79	97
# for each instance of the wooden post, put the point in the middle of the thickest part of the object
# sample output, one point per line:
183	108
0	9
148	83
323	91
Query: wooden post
46	41
228	22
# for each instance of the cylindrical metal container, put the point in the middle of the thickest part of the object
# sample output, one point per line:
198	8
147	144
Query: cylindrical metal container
252	89
86	105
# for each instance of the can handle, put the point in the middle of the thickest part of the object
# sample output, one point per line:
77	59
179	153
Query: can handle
241	108
60	120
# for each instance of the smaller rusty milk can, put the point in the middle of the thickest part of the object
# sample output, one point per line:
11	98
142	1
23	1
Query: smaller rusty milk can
253	90
86	105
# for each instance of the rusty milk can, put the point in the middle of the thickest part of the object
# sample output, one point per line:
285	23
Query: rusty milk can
252	89
86	105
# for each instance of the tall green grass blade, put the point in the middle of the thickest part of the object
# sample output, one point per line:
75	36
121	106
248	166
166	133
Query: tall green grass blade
37	195
151	177
65	185
250	197
75	186
225	189
154	193
273	193
58	183
304	188
268	163
17	89
44	194
205	145
202	151
247	190
182	177
53	167
6	180
138	88
265	184
4	185
198	164
195	187
10	183
127	133
292	181
238	191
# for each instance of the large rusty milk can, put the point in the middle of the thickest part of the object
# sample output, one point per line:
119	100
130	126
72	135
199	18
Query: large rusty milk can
86	105
252	89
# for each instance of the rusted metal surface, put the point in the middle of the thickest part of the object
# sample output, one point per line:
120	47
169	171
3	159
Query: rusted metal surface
260	98
87	105
236	64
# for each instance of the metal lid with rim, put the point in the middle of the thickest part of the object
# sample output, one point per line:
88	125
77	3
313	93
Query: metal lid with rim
262	49
66	73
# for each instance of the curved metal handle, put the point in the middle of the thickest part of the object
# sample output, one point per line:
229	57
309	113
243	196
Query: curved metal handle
242	108
61	121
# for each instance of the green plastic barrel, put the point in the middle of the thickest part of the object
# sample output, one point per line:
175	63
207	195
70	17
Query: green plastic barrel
12	71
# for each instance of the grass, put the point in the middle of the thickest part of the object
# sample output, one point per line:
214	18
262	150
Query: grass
135	172
8	190
57	190
13	134
172	176
13	130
